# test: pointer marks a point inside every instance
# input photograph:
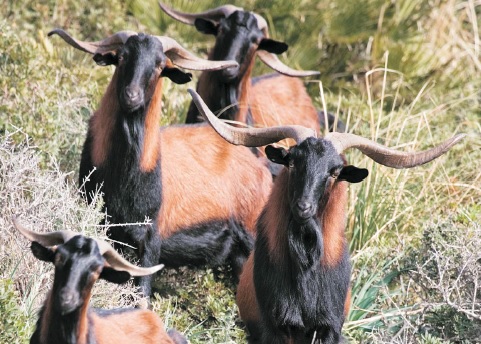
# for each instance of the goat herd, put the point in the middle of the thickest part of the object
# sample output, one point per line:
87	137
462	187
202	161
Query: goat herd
276	216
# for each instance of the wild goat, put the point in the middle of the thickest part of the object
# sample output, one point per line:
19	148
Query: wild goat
264	101
202	195
294	288
66	316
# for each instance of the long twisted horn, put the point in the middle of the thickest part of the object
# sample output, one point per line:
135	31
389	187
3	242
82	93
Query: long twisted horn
254	137
273	62
250	137
45	239
215	14
387	156
119	263
106	45
115	260
185	59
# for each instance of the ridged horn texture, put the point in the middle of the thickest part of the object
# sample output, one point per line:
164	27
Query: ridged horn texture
111	256
254	137
173	50
273	62
45	239
119	263
106	45
185	59
250	137
215	14
387	156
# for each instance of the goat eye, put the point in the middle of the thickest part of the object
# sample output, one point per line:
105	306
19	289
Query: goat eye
291	164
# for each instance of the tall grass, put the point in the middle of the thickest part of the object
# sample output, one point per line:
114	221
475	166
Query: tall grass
404	73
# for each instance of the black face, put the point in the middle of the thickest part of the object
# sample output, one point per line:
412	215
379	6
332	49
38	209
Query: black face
312	166
78	264
237	38
140	62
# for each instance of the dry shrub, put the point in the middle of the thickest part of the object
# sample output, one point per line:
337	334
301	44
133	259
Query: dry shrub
45	200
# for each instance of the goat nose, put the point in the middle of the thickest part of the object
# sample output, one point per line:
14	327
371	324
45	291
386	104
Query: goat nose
133	94
304	207
66	297
230	72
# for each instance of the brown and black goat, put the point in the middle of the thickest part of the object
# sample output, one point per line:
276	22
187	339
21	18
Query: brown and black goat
202	195
263	101
66	316
294	287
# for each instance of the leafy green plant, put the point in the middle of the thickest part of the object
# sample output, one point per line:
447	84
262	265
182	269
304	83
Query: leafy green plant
14	325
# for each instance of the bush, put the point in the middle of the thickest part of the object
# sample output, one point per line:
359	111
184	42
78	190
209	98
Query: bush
14	325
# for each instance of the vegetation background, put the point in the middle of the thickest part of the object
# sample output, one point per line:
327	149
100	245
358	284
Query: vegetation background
406	73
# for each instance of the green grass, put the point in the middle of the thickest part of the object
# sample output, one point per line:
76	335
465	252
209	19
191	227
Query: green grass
405	73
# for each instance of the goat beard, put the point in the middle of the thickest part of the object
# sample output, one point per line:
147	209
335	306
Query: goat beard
305	242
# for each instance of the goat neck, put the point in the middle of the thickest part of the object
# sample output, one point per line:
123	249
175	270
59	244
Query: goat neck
140	130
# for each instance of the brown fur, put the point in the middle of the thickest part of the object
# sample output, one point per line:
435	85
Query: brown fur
245	90
334	224
276	210
83	325
347	304
246	294
102	123
282	100
136	326
46	316
333	221
151	149
206	165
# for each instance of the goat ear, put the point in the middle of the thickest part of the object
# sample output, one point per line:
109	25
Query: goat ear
206	26
277	155
353	174
271	46
106	59
114	276
176	75
42	253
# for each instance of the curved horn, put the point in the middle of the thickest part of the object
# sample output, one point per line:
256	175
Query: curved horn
119	263
215	14
261	23
106	45
45	239
250	137
387	156
185	59
273	62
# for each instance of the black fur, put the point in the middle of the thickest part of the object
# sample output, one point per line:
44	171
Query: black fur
65	329
131	195
212	244
75	261
331	119
299	297
235	35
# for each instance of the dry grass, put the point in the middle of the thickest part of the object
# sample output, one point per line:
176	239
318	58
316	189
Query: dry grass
409	80
44	200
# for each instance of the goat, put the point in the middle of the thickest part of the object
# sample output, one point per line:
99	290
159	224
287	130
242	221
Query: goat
264	101
294	287
203	196
66	316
